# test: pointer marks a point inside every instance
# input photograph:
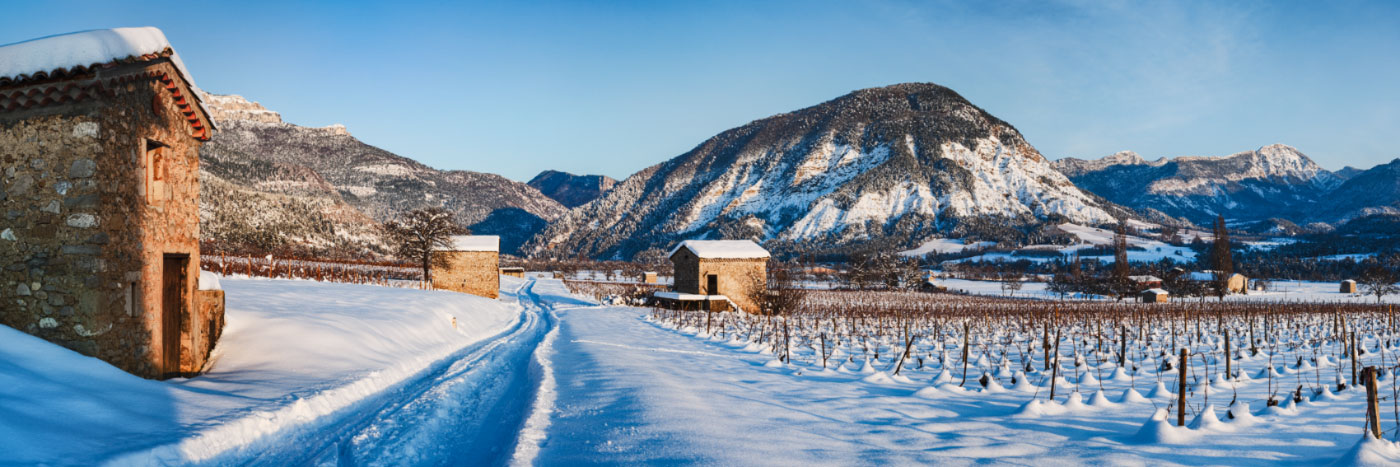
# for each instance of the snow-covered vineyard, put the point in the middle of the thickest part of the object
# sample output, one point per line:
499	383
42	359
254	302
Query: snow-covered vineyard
546	377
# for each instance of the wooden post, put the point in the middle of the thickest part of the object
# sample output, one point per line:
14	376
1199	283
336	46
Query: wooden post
1353	359
1181	390
1055	367
1123	348
1373	408
1045	345
967	331
1228	357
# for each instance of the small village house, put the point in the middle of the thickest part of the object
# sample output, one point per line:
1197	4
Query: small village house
718	270
99	175
1348	286
1146	281
1235	283
1154	296
471	264
513	271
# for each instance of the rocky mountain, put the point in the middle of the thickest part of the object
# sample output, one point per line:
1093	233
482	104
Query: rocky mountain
323	189
877	168
1373	191
569	189
1275	181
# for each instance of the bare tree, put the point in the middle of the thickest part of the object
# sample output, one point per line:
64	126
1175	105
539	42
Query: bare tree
1011	283
1378	281
418	232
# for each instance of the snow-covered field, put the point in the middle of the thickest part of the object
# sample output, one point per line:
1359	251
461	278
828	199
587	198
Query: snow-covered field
293	353
321	373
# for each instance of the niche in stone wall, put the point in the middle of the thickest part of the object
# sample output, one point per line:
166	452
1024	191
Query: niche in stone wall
157	159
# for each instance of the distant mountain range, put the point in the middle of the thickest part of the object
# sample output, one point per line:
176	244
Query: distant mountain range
1263	187
877	168
271	185
881	169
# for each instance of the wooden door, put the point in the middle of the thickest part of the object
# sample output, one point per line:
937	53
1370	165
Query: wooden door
711	284
174	284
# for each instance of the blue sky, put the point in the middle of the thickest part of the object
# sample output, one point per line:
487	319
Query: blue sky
593	87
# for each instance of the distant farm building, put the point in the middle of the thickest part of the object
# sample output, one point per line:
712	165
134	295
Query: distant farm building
471	264
1154	296
1348	286
1235	283
649	277
708	271
99	173
1146	281
513	271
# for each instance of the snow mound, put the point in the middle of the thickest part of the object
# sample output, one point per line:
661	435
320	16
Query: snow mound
1158	431
1370	452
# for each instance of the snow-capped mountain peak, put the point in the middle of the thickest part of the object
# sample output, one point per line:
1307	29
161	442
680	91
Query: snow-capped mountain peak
892	165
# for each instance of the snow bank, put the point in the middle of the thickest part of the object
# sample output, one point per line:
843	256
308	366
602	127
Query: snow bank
292	351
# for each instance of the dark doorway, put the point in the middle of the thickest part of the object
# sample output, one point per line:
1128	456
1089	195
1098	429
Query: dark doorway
174	284
711	284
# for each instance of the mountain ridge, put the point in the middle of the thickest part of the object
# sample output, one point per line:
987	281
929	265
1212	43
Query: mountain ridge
874	167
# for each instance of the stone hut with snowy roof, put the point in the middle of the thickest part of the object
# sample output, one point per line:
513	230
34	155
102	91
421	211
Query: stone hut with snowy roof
470	264
734	269
99	186
1154	296
1348	286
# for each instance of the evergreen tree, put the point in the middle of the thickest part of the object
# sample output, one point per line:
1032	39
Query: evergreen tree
1220	258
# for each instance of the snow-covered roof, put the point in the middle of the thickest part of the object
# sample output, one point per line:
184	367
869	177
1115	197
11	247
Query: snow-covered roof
1145	278
1156	291
722	249
473	243
86	49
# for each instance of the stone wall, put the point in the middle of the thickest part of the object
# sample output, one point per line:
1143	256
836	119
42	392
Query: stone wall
86	231
473	272
209	326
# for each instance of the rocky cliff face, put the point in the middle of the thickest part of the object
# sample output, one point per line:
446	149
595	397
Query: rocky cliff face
877	168
572	190
321	188
1275	181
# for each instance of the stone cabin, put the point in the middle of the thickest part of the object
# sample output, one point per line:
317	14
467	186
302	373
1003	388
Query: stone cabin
1235	283
1154	296
1348	286
736	269
471	264
513	271
99	186
649	277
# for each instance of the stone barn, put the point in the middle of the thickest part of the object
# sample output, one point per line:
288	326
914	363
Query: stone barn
99	185
649	277
1154	296
1348	286
513	271
471	264
736	269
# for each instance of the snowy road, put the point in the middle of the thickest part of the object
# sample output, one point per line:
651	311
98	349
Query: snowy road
466	411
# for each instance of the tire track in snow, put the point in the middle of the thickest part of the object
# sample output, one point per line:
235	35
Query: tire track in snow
468	410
